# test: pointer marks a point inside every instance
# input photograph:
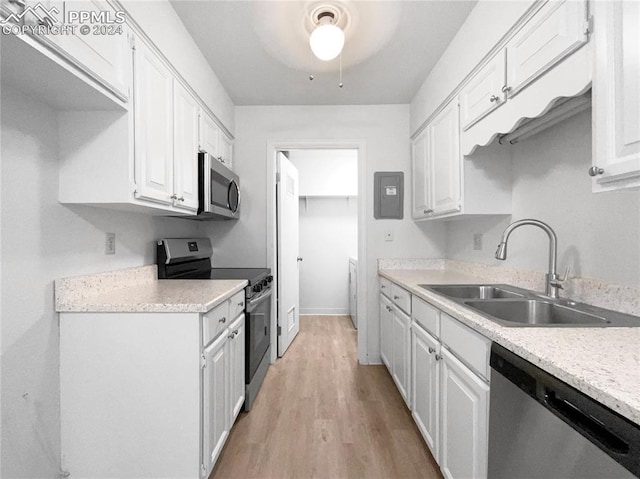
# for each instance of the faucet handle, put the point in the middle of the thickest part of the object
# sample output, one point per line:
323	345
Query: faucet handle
566	274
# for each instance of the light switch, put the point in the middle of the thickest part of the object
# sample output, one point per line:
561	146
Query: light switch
477	241
388	235
110	243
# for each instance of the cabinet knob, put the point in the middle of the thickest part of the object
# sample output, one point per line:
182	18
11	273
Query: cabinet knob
222	320
438	357
595	171
494	98
428	211
382	286
506	89
241	304
396	297
231	336
174	197
431	350
181	198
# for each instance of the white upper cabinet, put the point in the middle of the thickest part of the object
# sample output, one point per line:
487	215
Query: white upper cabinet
104	51
420	177
616	96
556	31
153	90
209	134
484	93
226	150
185	144
445	184
444	155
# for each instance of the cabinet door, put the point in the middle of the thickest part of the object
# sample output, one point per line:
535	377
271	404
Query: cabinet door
444	156
209	135
226	150
236	367
465	410
420	175
386	342
425	386
484	92
185	148
554	32
106	56
353	294
215	402
616	95
401	334
153	139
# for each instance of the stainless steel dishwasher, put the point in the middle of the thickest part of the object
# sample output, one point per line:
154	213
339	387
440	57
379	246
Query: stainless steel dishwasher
540	427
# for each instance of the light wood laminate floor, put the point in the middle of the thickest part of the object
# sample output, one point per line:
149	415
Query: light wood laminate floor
320	414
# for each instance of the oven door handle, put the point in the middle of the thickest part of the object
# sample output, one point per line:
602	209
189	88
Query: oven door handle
252	304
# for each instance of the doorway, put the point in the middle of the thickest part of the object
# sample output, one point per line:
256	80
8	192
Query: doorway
331	213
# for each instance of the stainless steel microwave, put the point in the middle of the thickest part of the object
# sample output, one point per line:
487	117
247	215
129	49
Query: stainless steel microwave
219	190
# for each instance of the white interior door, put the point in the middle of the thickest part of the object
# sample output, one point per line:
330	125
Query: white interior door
288	239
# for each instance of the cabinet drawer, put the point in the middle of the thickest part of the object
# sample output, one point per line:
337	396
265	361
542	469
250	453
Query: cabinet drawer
426	316
401	297
215	321
236	305
472	348
385	286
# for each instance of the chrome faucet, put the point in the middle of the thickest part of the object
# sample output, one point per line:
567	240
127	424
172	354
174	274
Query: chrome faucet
553	281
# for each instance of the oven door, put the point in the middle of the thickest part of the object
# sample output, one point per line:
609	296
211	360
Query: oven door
258	327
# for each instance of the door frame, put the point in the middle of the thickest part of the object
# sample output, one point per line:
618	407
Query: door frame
273	146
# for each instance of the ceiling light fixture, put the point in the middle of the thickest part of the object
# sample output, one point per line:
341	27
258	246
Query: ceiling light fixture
327	39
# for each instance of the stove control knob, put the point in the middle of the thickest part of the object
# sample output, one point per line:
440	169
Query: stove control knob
269	279
264	283
257	288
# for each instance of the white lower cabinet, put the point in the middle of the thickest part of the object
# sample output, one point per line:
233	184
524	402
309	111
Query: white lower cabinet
464	420
148	395
425	386
401	353
395	335
215	397
386	325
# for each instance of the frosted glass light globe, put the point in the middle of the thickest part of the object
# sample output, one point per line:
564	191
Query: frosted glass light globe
326	42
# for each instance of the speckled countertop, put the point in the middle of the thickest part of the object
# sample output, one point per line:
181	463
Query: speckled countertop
604	363
136	290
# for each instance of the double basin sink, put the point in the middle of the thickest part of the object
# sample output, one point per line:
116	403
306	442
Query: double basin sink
511	306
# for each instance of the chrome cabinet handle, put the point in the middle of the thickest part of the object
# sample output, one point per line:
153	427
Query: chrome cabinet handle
241	304
428	211
181	198
595	171
396	297
431	350
174	196
494	98
506	89
389	308
299	258
382	286
438	357
235	332
222	320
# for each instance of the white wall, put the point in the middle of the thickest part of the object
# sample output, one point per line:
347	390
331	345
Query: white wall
487	23
598	234
42	240
385	129
162	24
326	172
328	237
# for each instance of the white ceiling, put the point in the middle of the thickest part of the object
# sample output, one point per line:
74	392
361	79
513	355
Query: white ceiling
260	49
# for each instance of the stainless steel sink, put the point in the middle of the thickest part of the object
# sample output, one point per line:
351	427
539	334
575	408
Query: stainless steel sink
511	306
534	312
475	291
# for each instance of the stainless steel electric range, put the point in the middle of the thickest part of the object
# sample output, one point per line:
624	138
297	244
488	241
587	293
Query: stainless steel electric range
190	258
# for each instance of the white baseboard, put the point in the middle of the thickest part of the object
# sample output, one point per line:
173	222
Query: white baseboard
324	311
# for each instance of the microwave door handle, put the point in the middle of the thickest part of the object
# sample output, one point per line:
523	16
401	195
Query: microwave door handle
233	184
207	184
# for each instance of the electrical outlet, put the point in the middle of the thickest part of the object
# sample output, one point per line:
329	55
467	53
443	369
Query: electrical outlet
477	241
110	244
388	235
